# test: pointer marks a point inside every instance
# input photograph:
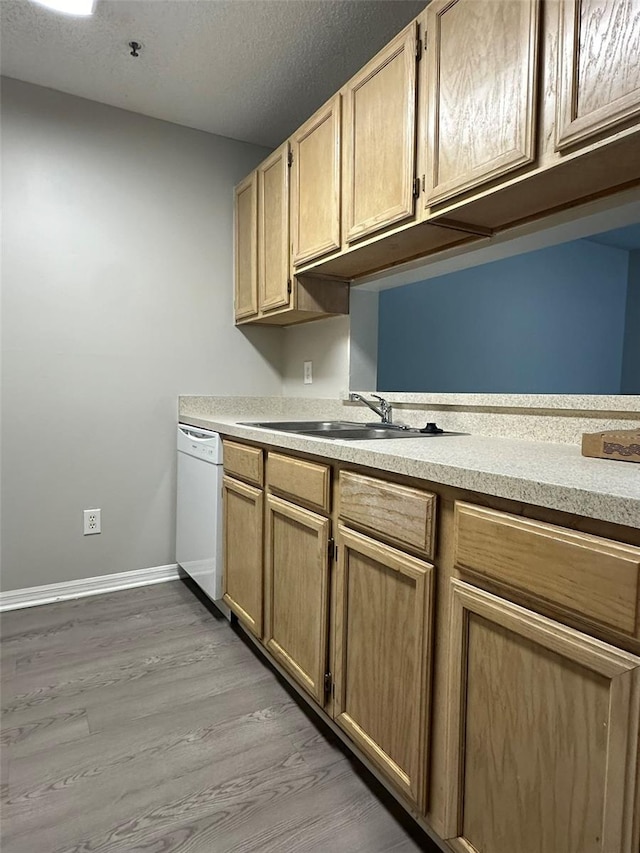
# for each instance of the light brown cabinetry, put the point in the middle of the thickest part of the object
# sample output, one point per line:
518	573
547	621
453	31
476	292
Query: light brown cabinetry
382	657
481	76
266	291
274	282
593	579
599	68
243	529
246	248
297	592
315	201
542	750
380	139
243	543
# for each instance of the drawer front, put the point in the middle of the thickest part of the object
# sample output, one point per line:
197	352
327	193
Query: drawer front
243	462
303	481
597	579
398	514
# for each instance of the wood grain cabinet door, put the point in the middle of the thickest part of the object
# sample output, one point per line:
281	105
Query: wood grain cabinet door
274	284
380	139
481	77
542	753
297	579
246	247
598	69
243	563
382	657
315	176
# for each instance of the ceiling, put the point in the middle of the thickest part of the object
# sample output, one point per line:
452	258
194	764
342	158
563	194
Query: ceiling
248	69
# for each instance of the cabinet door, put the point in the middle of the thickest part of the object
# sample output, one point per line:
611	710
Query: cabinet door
599	67
246	248
273	230
243	576
315	149
383	633
380	139
297	574
482	65
543	734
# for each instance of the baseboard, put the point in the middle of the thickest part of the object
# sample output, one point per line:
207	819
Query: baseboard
35	595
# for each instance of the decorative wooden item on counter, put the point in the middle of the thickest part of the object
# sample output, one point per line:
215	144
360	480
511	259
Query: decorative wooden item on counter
623	444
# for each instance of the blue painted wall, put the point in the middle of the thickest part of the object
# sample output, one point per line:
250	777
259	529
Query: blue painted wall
551	321
631	351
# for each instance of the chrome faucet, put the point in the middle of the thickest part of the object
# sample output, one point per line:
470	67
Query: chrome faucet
384	410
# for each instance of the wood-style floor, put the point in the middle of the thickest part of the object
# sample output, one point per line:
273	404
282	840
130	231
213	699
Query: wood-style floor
138	721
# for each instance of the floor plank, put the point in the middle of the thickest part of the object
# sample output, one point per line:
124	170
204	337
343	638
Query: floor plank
139	721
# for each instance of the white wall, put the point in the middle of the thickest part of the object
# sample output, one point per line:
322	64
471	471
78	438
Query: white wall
326	344
117	297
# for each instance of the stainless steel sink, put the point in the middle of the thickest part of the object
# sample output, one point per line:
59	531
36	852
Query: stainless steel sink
305	426
347	430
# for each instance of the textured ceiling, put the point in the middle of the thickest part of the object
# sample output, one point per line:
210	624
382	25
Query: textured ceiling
249	69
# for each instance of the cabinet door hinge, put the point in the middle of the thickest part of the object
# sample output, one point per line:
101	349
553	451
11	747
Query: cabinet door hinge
423	179
290	158
328	685
418	49
416	187
288	286
331	549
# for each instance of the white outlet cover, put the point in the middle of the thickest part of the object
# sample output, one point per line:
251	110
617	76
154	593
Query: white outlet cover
308	373
92	521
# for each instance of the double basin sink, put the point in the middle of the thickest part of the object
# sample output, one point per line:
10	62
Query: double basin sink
348	430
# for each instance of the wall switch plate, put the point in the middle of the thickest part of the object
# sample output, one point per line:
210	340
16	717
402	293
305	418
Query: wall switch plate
92	521
308	375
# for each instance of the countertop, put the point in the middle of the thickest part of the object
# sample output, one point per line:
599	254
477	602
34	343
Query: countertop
549	475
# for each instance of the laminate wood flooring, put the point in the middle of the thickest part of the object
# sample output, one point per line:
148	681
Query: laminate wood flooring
142	721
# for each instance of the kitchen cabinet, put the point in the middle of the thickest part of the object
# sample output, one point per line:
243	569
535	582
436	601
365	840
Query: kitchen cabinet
525	621
482	63
274	280
266	291
382	657
542	750
298	558
315	197
380	139
243	528
297	603
246	248
598	85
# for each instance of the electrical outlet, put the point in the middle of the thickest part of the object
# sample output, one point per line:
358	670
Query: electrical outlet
308	375
92	521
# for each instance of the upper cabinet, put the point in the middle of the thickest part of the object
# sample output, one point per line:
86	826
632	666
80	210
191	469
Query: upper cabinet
518	109
315	196
598	69
481	76
380	139
246	248
274	283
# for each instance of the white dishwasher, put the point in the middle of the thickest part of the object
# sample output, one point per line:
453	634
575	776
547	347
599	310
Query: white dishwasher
199	509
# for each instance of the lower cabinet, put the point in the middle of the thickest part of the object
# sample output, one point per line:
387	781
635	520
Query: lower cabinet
382	657
297	592
542	753
243	542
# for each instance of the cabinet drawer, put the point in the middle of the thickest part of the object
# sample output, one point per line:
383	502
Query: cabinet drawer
307	482
398	514
243	462
597	579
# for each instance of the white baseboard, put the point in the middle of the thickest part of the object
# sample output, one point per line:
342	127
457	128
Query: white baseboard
35	595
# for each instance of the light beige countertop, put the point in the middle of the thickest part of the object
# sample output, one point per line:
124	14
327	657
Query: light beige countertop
541	473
